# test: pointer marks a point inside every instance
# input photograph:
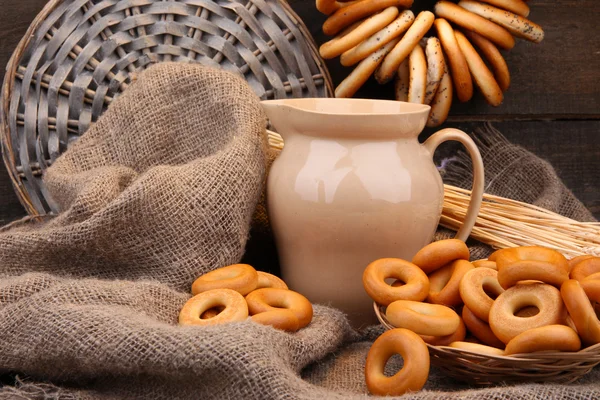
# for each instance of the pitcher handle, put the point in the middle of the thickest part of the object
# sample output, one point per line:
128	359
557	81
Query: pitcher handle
444	135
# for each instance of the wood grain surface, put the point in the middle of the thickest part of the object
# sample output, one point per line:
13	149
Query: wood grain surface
552	107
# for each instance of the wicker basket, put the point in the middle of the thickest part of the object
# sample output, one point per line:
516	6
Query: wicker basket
479	369
79	55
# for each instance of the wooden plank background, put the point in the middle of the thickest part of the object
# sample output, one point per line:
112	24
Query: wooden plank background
552	107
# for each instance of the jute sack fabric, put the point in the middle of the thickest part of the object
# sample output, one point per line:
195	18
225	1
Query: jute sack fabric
161	189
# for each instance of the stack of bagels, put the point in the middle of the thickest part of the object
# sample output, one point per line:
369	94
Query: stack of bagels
384	38
235	292
519	300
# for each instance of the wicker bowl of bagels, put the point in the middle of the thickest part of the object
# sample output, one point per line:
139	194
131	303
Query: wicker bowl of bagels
525	314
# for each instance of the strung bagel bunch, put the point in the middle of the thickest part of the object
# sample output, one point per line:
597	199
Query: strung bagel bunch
383	37
235	292
519	300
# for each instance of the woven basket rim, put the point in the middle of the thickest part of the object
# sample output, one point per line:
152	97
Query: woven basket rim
590	354
12	66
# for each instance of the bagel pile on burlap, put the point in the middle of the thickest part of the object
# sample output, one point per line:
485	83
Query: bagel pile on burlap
384	38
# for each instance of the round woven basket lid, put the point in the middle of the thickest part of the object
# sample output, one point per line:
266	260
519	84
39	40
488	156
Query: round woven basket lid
79	55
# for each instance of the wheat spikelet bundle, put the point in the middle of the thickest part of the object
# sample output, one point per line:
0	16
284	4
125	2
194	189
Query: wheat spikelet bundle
509	223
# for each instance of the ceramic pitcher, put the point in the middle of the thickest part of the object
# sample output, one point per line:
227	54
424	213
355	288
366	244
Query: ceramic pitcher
352	185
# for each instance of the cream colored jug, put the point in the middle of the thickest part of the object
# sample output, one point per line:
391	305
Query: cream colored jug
353	185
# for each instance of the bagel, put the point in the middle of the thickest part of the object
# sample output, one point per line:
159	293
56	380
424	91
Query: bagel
458	335
473	22
414	372
346	16
442	101
281	319
416	285
585	268
437	254
379	39
345	42
436	66
478	348
423	318
239	277
515	24
444	283
266	280
402	82
515	6
459	69
531	263
544	338
480	329
581	311
506	325
417	66
479	71
270	299
363	71
574	261
485	264
411	38
233	303
474	294
493	56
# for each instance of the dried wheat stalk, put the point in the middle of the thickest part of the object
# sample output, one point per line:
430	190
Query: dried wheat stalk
508	223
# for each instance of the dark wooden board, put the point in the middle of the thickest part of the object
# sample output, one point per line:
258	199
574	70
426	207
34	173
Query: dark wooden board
571	147
556	79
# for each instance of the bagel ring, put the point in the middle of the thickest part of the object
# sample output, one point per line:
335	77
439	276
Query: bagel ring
531	263
417	66
444	283
415	371
436	66
473	291
416	282
442	101
483	77
266	280
506	325
574	261
411	38
550	337
480	329
437	254
363	71
457	336
423	318
269	299
368	27
485	264
585	268
402	82
281	319
475	23
493	56
515	24
514	6
581	311
458	67
379	39
235	308
239	277
348	15
591	287
478	348
330	6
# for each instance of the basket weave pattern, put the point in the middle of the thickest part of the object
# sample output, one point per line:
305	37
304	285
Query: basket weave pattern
483	369
78	55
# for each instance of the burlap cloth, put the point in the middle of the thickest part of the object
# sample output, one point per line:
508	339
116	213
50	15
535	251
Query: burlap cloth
161	189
